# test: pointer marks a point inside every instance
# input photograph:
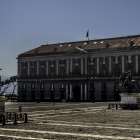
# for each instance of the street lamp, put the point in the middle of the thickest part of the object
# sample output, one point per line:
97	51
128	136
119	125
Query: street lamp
38	81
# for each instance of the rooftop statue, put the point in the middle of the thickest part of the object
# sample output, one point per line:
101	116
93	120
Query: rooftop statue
127	82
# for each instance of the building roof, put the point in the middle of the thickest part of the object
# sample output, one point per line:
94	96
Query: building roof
126	42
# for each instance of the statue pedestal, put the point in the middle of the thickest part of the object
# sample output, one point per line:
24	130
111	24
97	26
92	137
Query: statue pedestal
2	105
130	100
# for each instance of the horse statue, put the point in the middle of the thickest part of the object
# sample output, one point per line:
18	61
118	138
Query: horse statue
128	83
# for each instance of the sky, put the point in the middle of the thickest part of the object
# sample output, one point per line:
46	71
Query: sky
27	24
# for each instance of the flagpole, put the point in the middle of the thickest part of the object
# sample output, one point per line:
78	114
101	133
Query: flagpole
88	34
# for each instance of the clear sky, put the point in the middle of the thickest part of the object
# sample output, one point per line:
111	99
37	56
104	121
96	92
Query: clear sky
26	24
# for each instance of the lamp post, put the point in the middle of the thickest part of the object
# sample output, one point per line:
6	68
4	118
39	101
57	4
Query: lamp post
38	81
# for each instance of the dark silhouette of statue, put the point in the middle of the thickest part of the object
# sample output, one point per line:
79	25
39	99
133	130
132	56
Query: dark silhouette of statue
127	82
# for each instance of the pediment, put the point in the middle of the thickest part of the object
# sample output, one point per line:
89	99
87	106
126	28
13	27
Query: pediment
77	50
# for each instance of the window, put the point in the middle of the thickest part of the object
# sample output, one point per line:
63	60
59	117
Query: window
23	87
103	86
42	86
52	63
62	85
116	85
116	59
76	62
51	87
42	64
33	86
62	63
91	86
91	61
23	65
92	72
103	60
129	59
32	64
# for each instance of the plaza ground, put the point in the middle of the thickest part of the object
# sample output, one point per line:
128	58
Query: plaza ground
72	121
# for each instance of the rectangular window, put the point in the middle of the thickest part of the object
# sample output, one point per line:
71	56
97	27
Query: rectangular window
52	63
62	63
42	63
76	61
129	59
103	85
103	60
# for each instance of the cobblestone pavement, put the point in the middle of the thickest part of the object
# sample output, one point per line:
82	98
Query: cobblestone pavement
72	121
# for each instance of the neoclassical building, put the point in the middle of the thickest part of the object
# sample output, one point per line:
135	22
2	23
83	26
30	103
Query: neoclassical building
78	71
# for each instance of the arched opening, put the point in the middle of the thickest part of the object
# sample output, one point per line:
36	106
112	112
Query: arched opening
42	97
52	97
62	96
117	97
32	97
24	97
76	93
103	97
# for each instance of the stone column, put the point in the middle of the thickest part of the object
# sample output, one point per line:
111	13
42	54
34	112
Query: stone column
66	91
122	64
47	68
67	67
85	65
109	65
85	92
136	63
28	69
81	92
56	67
81	66
71	65
97	66
71	91
37	68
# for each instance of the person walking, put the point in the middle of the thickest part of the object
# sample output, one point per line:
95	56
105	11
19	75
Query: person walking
20	107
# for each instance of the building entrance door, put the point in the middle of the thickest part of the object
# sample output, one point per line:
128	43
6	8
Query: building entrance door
76	93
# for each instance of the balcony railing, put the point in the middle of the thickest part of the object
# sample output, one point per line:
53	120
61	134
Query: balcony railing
88	76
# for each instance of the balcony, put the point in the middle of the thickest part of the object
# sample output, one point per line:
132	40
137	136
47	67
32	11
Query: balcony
91	63
42	66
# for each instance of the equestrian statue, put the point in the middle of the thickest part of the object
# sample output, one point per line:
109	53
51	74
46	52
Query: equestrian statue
127	82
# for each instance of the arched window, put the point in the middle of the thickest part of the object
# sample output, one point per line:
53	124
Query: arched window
23	87
32	86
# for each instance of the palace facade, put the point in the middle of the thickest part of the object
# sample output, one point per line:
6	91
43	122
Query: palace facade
78	71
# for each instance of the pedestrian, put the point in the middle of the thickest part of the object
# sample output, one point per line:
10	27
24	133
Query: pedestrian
20	107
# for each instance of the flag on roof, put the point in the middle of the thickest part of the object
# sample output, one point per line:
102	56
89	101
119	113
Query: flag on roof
87	33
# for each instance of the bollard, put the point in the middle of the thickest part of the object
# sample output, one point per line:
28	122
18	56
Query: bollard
108	106
116	106
25	120
3	120
15	118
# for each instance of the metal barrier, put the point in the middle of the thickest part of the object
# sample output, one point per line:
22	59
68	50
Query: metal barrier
114	105
123	106
13	118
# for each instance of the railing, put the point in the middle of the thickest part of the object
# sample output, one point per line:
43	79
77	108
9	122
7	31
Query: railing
123	106
13	118
88	76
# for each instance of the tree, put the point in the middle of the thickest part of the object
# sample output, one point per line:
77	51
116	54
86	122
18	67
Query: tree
7	83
